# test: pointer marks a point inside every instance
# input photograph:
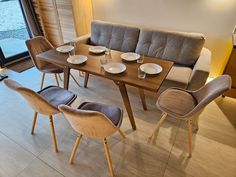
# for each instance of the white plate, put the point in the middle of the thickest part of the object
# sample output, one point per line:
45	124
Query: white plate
97	49
151	68
64	48
114	68
130	56
77	59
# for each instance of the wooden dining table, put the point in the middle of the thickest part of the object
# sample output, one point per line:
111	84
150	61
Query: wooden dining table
128	77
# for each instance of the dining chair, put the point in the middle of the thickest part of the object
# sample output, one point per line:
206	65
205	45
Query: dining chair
188	105
38	45
45	102
94	120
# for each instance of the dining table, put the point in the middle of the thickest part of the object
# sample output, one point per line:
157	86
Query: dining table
152	82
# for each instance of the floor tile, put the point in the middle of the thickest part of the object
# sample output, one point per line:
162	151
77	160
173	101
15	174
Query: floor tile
39	169
13	158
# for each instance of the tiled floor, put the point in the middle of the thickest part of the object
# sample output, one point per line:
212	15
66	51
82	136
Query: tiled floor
24	155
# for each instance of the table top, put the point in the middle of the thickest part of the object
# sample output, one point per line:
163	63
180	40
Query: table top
93	66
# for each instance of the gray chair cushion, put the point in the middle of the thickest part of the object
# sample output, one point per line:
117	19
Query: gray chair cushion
111	112
57	95
114	36
181	48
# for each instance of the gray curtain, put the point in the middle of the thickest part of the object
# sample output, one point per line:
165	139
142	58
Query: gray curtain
31	18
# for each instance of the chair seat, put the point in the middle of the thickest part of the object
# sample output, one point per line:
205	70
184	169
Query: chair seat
50	68
57	95
112	112
176	102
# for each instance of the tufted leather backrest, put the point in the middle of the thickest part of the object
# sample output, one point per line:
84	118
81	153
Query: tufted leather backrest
181	48
114	36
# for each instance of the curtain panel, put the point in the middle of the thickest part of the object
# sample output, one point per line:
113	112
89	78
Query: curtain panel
31	18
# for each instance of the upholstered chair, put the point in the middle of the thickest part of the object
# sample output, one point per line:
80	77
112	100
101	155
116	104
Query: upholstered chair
38	45
94	120
188	105
45	102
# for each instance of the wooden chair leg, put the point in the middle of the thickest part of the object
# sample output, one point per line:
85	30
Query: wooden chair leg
34	122
42	81
121	133
190	137
53	134
81	73
57	80
75	149
108	157
59	77
153	137
196	123
86	80
74	79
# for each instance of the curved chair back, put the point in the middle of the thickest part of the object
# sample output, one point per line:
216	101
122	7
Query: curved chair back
38	103
36	46
210	91
88	123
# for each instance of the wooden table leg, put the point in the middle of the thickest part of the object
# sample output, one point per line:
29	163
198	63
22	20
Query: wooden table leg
126	101
142	96
86	79
66	77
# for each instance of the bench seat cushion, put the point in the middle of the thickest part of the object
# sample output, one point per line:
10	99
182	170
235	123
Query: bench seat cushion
114	36
180	74
179	47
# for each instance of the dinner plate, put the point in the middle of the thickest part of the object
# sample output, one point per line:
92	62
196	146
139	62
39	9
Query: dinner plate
114	68
77	59
129	56
97	49
151	68
64	48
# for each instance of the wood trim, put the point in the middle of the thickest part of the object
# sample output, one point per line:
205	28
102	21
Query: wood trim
58	21
83	15
64	20
49	20
230	69
40	17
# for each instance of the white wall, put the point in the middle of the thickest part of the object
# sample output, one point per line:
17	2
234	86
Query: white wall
214	18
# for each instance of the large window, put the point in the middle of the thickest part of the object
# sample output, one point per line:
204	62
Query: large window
13	31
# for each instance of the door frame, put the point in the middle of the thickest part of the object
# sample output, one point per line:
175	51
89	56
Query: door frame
20	56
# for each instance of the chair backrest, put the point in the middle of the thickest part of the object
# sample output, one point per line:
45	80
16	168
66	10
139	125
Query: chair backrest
88	123
36	46
210	91
38	103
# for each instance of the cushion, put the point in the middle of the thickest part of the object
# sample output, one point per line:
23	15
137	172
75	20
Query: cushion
112	112
114	36
176	102
57	95
180	74
181	48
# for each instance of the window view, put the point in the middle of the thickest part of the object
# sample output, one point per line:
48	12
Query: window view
13	32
